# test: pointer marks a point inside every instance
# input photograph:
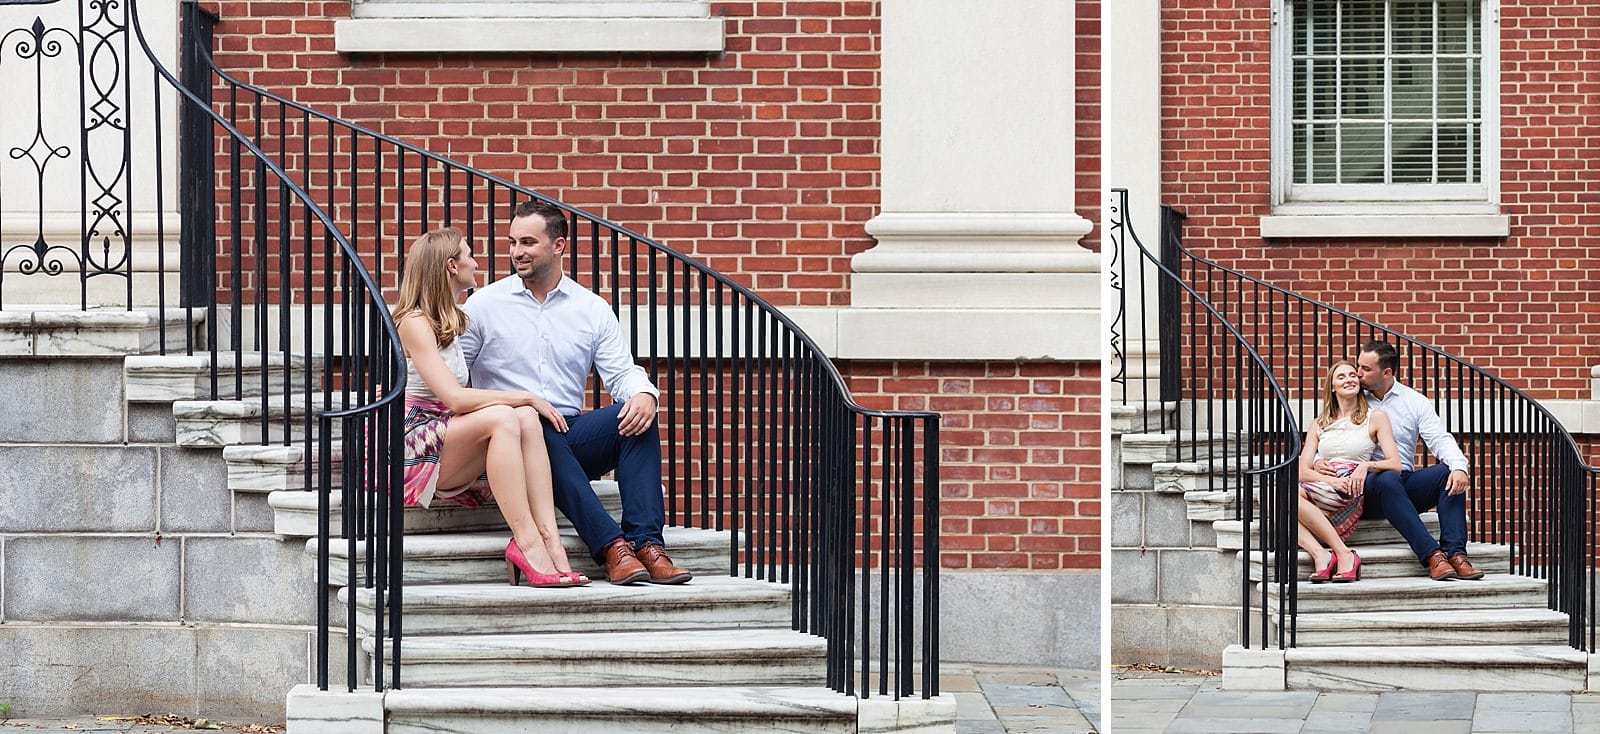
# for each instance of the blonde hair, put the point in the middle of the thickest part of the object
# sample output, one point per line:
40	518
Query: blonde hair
1330	401
425	285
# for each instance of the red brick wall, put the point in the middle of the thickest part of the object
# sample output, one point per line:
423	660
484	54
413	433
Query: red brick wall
1524	307
1020	456
1087	84
762	159
762	162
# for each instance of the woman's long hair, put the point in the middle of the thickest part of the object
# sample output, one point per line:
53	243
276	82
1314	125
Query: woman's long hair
425	284
1330	401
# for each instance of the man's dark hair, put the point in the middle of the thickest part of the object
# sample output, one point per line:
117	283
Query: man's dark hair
555	220
1388	358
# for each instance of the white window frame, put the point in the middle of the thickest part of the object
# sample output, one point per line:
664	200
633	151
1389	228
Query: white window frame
1372	209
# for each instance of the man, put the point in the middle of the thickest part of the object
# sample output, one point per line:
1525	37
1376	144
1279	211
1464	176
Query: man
1399	497
539	331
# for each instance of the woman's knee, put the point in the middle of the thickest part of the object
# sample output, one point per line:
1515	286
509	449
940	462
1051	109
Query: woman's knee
502	419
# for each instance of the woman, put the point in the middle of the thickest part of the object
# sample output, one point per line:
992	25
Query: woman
455	434
1345	434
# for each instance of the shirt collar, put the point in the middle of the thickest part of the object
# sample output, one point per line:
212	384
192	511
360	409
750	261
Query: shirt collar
562	287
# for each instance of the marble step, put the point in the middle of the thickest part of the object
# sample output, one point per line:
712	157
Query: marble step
273	467
760	657
1188	476
68	331
682	710
1413	594
1368	532
219	423
171	377
294	513
1151	448
1432	627
466	558
1139	417
709	601
1444	668
1396	560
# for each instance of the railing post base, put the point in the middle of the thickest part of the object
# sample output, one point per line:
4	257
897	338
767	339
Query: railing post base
885	714
1246	669
335	711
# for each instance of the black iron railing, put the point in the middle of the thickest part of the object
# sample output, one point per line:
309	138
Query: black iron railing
1531	488
1211	393
762	437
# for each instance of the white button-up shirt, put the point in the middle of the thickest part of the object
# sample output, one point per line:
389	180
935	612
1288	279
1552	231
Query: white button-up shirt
514	342
1410	416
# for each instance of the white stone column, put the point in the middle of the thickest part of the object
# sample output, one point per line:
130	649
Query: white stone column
60	200
978	154
1130	91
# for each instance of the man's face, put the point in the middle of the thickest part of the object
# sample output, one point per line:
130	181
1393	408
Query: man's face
1372	378
533	253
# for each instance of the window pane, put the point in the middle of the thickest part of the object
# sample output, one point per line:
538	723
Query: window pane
1361	27
1458	89
1323	149
1413	153
1413	27
1412	90
1324	88
1361	155
1361	84
1458	26
1456	162
1302	152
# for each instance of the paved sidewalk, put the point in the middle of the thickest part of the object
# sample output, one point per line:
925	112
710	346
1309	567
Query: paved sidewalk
997	699
993	699
1189	704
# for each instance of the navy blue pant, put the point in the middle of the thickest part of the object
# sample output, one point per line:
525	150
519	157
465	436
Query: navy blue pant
1400	497
590	448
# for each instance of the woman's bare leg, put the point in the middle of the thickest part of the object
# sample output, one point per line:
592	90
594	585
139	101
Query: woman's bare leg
1313	521
491	439
536	462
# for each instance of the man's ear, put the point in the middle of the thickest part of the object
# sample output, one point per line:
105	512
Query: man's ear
559	246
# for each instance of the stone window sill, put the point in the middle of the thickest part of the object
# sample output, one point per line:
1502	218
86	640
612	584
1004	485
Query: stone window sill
1400	220
524	35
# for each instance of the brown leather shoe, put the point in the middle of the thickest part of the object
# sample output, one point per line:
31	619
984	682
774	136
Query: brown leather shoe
1438	568
654	558
622	567
1463	567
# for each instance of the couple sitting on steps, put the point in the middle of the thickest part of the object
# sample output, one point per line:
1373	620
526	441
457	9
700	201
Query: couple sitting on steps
1359	461
528	343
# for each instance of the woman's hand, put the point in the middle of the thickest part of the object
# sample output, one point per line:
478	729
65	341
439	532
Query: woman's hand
546	411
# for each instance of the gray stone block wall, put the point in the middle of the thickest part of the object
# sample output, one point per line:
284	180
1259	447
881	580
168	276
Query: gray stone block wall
1174	595
131	578
70	400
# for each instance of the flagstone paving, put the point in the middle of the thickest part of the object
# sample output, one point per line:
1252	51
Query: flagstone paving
1155	703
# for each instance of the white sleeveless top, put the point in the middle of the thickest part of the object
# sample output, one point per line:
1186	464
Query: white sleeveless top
453	358
1345	440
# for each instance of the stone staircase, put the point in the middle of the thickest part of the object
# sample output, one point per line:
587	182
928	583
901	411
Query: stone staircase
714	655
1395	629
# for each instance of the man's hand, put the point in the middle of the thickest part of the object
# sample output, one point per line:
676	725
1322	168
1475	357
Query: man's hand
1321	466
1457	483
637	414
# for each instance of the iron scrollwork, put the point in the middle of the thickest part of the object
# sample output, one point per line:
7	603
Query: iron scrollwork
100	49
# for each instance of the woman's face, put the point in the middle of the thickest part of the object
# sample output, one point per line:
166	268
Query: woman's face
1345	381
463	269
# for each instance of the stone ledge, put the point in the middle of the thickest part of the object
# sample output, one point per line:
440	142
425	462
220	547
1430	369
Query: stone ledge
528	35
66	331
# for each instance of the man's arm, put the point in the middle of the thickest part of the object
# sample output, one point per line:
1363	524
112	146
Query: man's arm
472	338
614	362
1438	440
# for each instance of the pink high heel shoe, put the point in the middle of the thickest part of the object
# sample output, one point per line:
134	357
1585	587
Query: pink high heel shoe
1351	574
1322	576
578	579
517	566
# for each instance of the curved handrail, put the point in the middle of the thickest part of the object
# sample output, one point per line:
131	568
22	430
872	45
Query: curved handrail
1277	431
1533	488
305	200
854	485
414	149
